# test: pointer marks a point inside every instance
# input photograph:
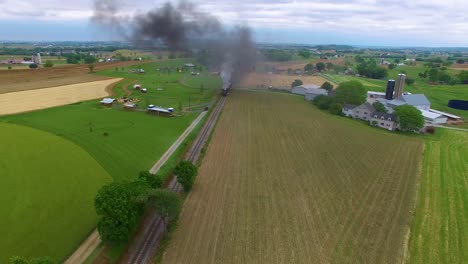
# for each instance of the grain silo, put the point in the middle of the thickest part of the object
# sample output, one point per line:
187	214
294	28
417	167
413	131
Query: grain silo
390	89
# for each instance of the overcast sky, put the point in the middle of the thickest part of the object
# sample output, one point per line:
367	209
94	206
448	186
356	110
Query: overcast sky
355	22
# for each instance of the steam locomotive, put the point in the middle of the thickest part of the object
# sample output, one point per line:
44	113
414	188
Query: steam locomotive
226	91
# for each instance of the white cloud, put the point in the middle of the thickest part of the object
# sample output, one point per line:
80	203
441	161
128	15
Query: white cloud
430	19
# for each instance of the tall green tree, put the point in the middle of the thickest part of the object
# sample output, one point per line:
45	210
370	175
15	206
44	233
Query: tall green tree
327	86
379	107
119	204
320	66
409	118
296	83
350	92
463	76
309	67
167	204
186	172
48	64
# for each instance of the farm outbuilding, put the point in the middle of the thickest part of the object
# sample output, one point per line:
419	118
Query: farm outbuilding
160	111
311	93
107	101
137	86
303	89
433	118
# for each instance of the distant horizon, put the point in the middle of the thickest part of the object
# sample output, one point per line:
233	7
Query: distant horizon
383	23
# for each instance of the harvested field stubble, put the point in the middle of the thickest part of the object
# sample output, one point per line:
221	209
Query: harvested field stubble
25	101
285	183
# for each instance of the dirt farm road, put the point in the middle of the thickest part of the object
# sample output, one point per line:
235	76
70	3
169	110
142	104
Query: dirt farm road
92	242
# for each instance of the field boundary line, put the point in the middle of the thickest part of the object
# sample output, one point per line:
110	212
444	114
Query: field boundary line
93	240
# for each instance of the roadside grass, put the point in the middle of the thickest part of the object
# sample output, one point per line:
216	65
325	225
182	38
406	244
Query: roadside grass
439	231
47	193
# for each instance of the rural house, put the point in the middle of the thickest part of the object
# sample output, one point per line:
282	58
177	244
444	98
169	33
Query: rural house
383	120
362	112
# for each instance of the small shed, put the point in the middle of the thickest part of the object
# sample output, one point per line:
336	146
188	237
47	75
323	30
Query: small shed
107	101
311	93
144	90
302	89
159	111
137	86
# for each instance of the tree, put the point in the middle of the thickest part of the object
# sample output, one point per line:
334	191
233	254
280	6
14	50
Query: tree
33	66
48	64
327	86
91	68
309	67
410	81
409	118
304	53
433	74
89	59
350	92
186	172
330	66
151	179
119	204
167	204
379	107
392	66
336	108
463	76
323	102
320	66
9	67
296	83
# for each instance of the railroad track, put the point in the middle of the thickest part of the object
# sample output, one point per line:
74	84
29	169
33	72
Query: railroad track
155	228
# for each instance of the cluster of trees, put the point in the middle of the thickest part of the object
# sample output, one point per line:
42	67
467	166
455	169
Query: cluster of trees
277	55
319	66
351	92
434	73
368	67
120	204
77	58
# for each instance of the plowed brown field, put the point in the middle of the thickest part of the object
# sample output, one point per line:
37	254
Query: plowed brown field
282	182
29	79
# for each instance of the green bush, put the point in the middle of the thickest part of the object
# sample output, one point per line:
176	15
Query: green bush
186	172
151	179
335	108
323	102
33	66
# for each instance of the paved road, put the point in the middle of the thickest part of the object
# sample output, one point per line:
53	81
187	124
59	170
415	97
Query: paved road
92	242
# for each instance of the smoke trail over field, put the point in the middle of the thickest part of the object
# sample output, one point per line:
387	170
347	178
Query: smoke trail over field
182	27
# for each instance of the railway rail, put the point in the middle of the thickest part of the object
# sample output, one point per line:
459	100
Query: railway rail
155	227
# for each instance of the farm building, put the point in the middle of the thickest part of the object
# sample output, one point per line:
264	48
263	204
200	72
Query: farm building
363	112
450	118
160	111
303	89
433	118
372	96
137	86
107	101
384	120
311	93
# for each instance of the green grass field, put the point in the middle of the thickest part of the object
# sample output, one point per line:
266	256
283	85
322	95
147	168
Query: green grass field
47	189
120	143
283	182
174	87
439	231
134	142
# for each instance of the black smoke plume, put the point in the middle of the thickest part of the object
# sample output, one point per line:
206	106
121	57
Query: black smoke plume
182	27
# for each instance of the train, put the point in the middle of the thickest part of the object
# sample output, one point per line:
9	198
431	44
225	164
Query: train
226	91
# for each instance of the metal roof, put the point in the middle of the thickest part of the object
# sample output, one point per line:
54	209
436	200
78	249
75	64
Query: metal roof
376	93
414	99
384	116
159	109
308	86
430	115
445	114
316	91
